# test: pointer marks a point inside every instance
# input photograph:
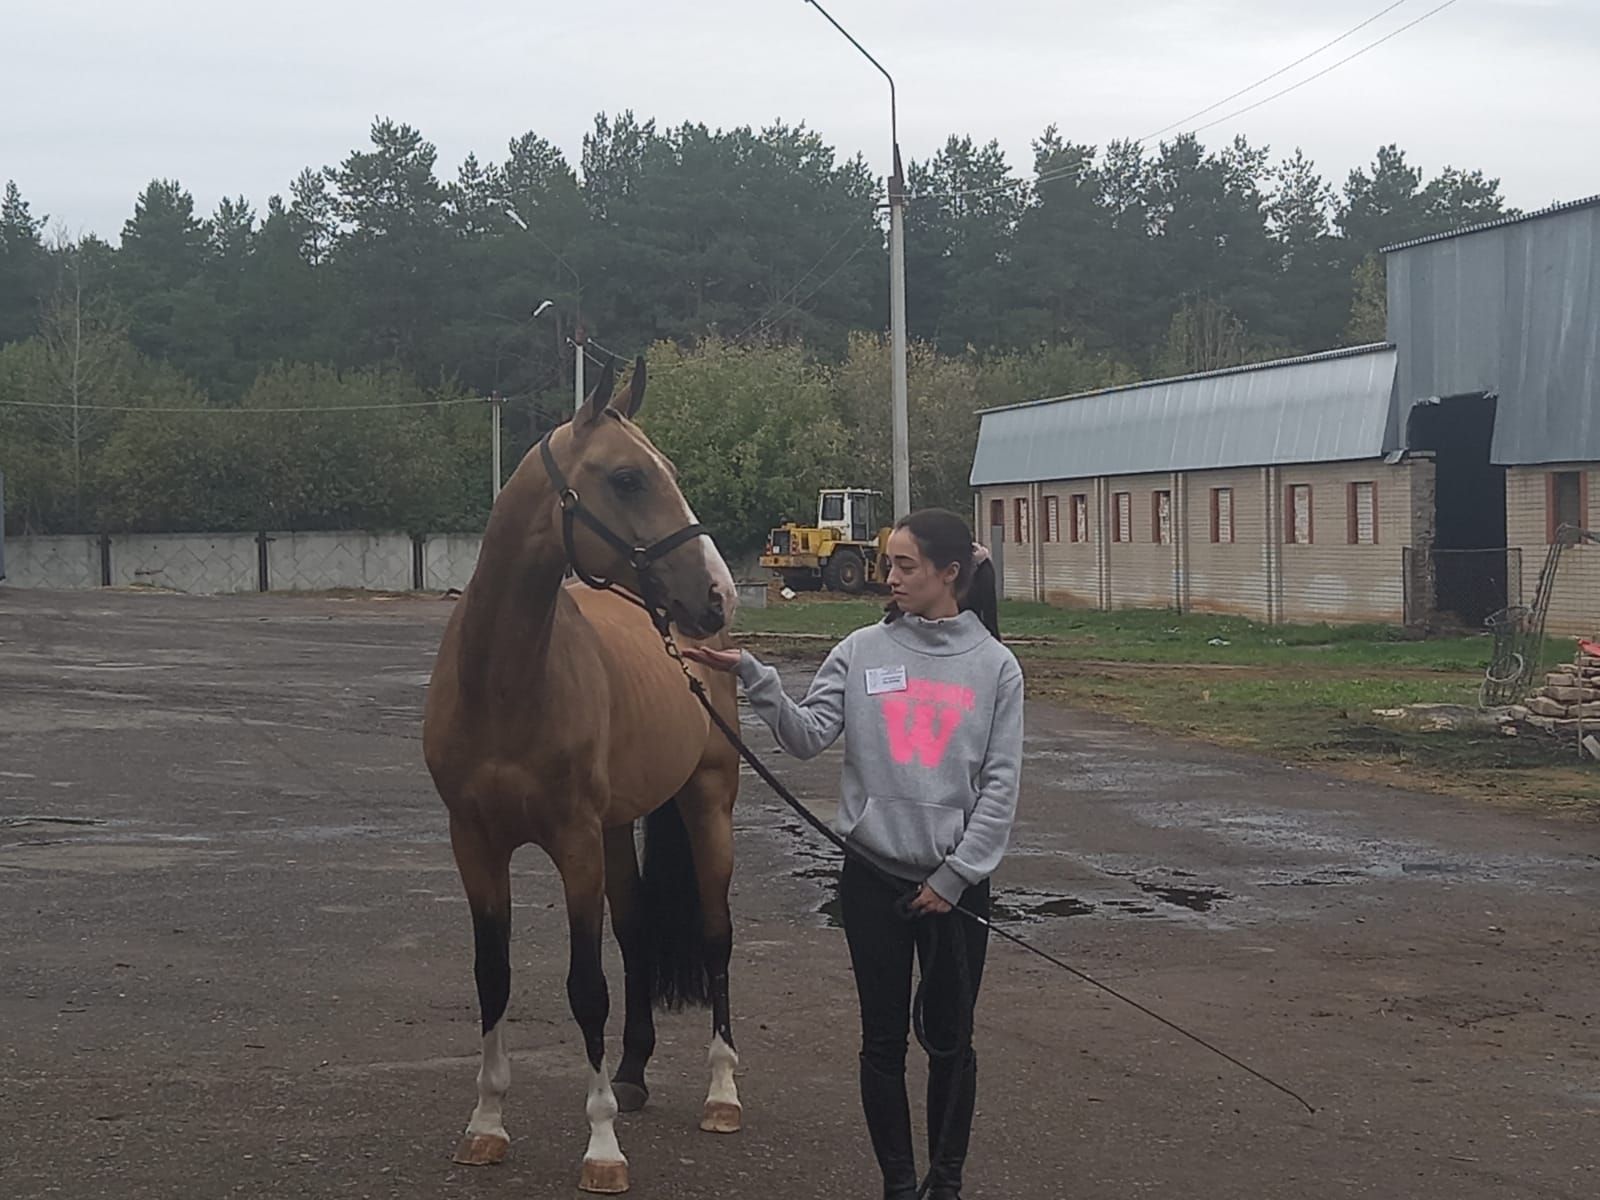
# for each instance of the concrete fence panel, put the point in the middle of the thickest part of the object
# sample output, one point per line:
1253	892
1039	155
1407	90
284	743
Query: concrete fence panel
53	562
206	563
448	560
314	562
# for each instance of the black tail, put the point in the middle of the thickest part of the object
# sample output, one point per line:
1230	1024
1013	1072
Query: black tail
674	938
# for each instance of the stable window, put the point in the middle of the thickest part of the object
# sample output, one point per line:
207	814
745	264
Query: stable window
1222	515
1052	519
1122	517
1161	518
1080	518
1297	527
1022	531
1567	502
1363	506
997	514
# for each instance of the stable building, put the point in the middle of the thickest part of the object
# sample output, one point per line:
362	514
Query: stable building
1396	482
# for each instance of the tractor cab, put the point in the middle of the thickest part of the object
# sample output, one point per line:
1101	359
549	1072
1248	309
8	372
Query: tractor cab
848	513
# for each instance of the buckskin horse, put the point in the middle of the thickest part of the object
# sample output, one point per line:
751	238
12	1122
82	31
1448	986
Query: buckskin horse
554	716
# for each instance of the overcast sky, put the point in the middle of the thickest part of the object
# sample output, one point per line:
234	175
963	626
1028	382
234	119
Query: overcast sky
99	96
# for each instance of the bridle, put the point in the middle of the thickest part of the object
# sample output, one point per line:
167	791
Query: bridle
640	558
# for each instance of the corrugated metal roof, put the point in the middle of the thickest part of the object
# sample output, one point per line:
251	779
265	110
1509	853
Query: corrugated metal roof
1328	407
1516	313
1497	223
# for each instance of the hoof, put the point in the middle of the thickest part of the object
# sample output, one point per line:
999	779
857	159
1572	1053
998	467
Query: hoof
482	1150
604	1178
721	1117
631	1097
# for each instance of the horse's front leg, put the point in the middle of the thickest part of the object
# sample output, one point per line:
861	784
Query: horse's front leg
485	868
582	865
708	814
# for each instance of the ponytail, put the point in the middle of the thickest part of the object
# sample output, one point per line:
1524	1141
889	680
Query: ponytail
983	596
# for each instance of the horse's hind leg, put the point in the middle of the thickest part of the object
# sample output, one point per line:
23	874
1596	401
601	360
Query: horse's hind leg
707	807
486	874
627	922
580	857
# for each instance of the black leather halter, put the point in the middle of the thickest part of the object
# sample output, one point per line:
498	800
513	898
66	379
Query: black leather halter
640	558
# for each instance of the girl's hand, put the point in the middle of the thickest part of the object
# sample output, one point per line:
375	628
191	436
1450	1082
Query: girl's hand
717	660
928	902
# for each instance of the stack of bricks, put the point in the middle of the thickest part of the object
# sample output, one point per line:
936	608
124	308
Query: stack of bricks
1569	701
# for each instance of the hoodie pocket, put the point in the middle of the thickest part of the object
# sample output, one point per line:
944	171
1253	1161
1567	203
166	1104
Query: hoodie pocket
913	832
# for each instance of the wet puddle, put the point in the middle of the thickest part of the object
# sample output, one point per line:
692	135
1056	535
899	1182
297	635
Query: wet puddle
1016	906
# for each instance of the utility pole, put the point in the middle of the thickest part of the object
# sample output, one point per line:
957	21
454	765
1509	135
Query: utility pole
901	439
496	402
578	339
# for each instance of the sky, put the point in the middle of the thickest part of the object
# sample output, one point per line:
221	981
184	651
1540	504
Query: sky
97	97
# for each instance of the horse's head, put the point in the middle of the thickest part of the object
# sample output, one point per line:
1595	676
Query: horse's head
631	490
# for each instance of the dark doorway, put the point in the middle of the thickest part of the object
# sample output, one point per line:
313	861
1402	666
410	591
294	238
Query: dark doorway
1469	553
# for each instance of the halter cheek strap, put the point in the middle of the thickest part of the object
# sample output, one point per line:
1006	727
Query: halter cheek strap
640	558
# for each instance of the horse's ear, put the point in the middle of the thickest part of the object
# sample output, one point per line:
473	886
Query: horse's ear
635	390
600	398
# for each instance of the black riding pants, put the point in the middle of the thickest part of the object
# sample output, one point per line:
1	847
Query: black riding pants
881	946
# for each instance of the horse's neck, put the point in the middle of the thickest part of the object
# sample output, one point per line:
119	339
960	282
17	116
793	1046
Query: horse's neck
509	610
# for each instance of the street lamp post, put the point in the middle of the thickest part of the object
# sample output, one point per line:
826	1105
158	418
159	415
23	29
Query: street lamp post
897	289
577	308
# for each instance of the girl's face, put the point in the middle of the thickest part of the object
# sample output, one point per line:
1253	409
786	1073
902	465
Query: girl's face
918	586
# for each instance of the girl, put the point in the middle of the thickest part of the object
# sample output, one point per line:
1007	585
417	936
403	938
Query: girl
930	704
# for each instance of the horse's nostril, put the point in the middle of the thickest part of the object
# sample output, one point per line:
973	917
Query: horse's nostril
717	608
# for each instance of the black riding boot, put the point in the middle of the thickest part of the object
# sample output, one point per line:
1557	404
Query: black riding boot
950	1085
883	1099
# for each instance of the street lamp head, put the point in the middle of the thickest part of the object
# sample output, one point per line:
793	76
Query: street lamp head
543	304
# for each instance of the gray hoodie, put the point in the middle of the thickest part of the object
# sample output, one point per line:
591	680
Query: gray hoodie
931	764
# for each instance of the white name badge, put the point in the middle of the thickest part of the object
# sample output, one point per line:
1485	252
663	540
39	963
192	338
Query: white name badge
883	680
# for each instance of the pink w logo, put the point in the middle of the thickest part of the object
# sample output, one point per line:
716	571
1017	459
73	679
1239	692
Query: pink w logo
920	731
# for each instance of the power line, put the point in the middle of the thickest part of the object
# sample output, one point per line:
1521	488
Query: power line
329	408
1080	171
1269	78
829	278
1373	45
837	242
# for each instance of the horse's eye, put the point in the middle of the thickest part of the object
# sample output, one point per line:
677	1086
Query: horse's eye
629	483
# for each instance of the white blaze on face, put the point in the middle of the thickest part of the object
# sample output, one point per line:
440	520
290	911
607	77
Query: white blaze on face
715	566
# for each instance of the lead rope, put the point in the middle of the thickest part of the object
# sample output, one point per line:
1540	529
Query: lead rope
663	627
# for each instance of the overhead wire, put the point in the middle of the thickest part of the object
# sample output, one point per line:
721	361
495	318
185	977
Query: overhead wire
208	411
1354	29
1083	169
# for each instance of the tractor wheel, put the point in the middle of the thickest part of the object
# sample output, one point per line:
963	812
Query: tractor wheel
845	572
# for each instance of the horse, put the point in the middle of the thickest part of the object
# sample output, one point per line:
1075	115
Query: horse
555	716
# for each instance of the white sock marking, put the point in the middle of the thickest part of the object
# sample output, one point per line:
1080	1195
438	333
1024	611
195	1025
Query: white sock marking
601	1108
724	1061
494	1080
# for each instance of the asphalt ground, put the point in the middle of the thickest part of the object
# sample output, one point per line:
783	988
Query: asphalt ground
235	960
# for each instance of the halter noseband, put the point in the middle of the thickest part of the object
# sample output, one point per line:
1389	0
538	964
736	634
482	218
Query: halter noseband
640	558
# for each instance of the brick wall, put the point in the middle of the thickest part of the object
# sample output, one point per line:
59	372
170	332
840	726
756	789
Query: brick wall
1330	579
1223	576
1256	574
1140	571
1575	602
1070	565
